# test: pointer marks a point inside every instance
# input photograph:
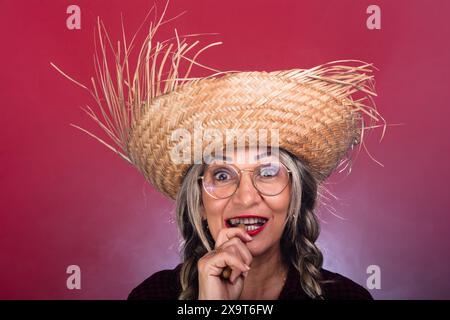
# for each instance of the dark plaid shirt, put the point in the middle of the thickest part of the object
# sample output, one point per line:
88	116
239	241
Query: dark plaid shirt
165	285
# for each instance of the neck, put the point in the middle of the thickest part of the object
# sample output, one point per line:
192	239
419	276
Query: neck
265	278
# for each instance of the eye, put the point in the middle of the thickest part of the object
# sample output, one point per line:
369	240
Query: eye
269	171
221	175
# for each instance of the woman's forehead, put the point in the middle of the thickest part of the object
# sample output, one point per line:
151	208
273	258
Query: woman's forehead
246	156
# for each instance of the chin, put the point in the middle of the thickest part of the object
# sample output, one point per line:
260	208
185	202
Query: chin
257	247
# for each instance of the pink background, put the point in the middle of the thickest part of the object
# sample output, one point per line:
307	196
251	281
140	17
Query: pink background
66	200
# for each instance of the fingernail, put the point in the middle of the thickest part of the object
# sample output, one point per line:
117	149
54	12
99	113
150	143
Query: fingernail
247	267
249	237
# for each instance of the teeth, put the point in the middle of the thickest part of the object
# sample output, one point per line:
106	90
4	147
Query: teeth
247	221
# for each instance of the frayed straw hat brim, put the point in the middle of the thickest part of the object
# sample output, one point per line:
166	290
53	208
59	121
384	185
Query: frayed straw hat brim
314	113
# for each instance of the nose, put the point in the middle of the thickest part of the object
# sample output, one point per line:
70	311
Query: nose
246	195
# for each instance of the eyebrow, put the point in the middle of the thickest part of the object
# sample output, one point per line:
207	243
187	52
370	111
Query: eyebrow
225	158
262	155
218	157
221	157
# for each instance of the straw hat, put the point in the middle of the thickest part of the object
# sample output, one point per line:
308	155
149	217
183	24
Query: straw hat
321	113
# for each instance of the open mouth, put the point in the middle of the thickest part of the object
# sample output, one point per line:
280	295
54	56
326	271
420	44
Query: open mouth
253	225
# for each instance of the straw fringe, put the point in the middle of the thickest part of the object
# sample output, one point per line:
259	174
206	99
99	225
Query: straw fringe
344	82
122	98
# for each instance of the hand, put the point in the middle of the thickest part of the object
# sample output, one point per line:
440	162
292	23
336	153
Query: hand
230	250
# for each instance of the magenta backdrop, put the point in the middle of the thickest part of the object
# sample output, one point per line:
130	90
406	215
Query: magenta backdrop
67	200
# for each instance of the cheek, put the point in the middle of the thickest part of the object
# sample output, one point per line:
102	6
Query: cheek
213	210
210	207
280	204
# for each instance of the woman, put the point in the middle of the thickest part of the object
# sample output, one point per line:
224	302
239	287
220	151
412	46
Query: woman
280	260
318	116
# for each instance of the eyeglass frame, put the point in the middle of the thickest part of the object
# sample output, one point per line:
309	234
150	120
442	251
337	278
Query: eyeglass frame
239	172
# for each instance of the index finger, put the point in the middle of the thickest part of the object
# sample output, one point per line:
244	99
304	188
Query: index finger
226	234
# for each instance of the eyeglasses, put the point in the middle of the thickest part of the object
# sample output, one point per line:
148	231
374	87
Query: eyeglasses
221	181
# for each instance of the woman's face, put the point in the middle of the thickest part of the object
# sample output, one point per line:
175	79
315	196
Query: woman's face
247	201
